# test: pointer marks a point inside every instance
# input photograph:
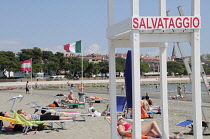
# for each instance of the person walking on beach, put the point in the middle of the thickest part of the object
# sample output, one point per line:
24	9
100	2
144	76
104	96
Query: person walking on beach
122	89
27	88
185	89
107	88
179	90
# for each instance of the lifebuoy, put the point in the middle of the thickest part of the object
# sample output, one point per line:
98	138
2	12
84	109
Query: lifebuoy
81	86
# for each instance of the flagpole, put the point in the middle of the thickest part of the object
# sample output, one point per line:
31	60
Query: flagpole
82	64
31	75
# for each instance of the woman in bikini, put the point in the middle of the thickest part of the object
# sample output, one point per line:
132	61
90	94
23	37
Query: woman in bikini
149	129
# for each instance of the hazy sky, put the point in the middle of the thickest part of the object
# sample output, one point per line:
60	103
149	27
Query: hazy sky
49	24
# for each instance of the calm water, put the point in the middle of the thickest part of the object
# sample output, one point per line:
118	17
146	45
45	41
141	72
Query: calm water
172	88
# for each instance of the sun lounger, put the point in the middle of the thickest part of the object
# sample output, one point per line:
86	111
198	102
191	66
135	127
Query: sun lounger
121	104
88	100
63	113
28	124
189	123
72	105
14	101
58	96
67	113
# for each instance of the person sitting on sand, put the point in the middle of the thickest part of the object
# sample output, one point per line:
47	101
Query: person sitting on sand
43	117
177	97
148	129
149	102
145	105
90	108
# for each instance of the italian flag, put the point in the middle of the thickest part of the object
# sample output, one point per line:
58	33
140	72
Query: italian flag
74	47
26	65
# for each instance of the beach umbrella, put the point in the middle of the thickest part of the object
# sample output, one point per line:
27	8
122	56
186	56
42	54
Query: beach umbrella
128	79
14	101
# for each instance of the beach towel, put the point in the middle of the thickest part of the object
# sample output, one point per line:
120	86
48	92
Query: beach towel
26	122
11	120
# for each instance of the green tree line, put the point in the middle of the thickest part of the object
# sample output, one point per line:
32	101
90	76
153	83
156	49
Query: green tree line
55	63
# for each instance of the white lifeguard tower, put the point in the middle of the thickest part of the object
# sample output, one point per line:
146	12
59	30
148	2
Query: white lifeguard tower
139	31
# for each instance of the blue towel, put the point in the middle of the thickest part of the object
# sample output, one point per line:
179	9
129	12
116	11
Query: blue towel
149	112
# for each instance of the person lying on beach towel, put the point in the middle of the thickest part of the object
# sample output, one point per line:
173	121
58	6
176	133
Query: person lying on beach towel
95	97
149	129
177	97
42	117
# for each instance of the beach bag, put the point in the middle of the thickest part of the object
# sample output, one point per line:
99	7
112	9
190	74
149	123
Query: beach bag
52	105
143	112
56	104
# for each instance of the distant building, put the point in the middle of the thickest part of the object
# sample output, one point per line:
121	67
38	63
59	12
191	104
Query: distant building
174	56
96	58
153	62
121	55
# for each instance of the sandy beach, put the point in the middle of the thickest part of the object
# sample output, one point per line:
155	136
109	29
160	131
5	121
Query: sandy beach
94	127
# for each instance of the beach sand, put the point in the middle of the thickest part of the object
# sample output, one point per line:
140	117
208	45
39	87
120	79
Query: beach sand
94	127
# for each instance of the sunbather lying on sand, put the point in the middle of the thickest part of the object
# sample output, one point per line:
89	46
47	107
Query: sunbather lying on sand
177	97
95	97
149	129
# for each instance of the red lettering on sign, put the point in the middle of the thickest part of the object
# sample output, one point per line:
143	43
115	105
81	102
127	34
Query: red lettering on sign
178	22
135	23
198	22
186	22
171	23
142	23
160	23
154	23
166	22
190	22
148	27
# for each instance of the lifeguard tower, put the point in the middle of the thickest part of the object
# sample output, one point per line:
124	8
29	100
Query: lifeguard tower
139	31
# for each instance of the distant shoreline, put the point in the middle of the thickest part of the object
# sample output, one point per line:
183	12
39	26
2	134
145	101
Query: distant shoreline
92	82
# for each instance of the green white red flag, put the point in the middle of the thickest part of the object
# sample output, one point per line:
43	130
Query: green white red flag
73	48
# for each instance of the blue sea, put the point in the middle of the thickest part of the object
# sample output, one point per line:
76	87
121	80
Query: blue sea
172	88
